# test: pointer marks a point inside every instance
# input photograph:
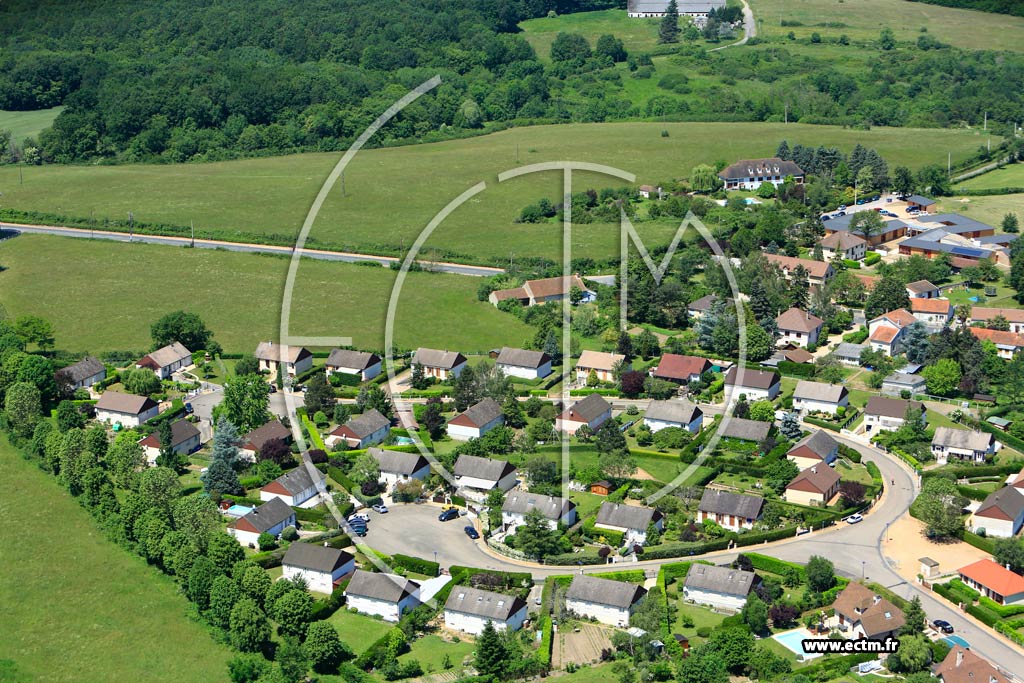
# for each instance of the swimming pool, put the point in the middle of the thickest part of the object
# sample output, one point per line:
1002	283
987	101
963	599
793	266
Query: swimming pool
791	640
238	510
957	640
975	299
403	441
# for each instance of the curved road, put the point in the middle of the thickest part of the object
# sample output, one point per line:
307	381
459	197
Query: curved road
749	28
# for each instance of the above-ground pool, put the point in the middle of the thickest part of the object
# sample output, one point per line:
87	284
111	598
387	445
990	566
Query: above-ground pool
238	510
403	441
956	640
975	298
792	641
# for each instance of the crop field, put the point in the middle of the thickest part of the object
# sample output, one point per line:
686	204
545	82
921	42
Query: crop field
26	124
862	19
267	199
60	622
110	293
1007	176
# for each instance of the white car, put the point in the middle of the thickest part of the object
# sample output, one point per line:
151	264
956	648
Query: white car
382	509
362	516
855	519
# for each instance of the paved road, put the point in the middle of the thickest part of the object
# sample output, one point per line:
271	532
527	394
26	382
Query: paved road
321	254
278	406
749	28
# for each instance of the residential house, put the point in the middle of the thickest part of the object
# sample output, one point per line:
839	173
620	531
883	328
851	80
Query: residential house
630	520
934	313
886	331
799	328
733	511
916	202
648	191
441	365
809	397
483	474
272	518
994	581
816	485
396	466
476	421
963	445
591	411
682	414
349	362
698	10
849	354
385	595
609	602
962	665
755	384
556	510
797	355
922	289
1001	514
361	431
886	414
866	614
524	363
818	272
82	374
250	445
750	174
185	439
1014	316
296	487
293	360
722	588
167	360
470	609
321	567
845	245
818	448
535	292
602	364
698	308
681	369
128	409
898	382
1008	344
744	430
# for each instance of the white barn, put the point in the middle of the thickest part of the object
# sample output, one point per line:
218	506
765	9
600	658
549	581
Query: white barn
469	609
385	595
322	567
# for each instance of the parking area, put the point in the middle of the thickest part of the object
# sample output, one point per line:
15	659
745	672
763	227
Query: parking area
413	529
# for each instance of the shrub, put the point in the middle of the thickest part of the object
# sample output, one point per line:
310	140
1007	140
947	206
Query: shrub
416	564
290	534
266	541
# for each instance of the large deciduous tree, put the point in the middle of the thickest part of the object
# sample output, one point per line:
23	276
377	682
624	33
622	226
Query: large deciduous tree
245	403
188	329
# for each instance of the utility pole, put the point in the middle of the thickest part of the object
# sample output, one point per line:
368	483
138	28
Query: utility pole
986	121
131	225
193	224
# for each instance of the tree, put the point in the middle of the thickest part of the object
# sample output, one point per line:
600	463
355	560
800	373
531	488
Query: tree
1009	551
703	665
224	593
886	39
319	396
913	655
250	629
852	493
942	377
1015	278
293	611
799	288
187	329
759	343
766	665
513	413
821	574
765	190
703	178
790	427
631	383
247	365
915	342
611	47
125	458
245	403
196	517
324	649
938	506
167	456
535	538
570	47
433	419
734	646
491	653
377	399
200	581
902	181
256	583
755	614
668	30
1010	223
624	346
248	668
365	468
914	618
610	439
762	411
35	330
220	477
779	473
23	406
140	381
69	417
224	551
276	451
867	224
889	294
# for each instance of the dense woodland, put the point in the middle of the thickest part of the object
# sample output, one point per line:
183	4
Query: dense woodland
177	80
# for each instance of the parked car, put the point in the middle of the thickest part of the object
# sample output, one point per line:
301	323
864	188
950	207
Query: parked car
359	516
825	217
273	389
359	530
382	509
471	532
942	625
842	207
855	518
449	514
861	201
188	408
876	197
841	213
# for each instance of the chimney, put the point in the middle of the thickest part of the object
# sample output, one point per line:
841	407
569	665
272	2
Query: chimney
959	657
814	470
875	599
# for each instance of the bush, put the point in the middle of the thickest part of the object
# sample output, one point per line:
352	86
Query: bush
872	258
290	534
983	614
266	541
415	564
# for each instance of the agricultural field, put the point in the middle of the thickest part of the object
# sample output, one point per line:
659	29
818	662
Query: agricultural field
637	35
60	622
267	199
861	20
27	124
112	292
1007	176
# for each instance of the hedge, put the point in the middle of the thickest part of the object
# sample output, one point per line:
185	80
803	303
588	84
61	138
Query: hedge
625	576
871	258
804	370
876	474
416	564
322	609
971	538
509	579
1010	630
546	638
850	453
177	408
851	264
567	559
337	475
835	667
972	492
773	565
831	426
347	379
761	537
310	515
314	434
881	590
370	654
1005	437
613	538
1003	611
856	337
984	615
668	551
976	471
599	392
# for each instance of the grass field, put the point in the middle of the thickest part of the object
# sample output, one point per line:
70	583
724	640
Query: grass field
110	293
990	209
1007	176
270	197
637	35
864	18
358	631
430	651
79	608
27	124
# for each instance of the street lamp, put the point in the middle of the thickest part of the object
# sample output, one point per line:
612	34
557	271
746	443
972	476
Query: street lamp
435	557
862	563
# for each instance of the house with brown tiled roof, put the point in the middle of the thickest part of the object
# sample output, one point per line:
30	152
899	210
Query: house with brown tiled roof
887	414
818	272
962	665
681	369
885	333
755	384
600	363
476	421
994	581
542	291
165	361
128	409
816	485
438	364
294	360
1001	514
1008	344
934	313
922	289
798	328
866	614
1014	316
591	411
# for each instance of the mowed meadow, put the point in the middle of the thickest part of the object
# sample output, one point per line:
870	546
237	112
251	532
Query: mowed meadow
390	195
61	622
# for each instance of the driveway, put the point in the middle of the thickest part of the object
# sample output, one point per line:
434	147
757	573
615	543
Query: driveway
278	406
203	405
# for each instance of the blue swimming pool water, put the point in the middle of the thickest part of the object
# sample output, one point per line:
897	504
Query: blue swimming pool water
791	640
975	299
403	441
956	640
239	510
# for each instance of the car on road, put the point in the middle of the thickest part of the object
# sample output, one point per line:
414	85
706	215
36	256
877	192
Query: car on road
842	212
188	408
825	217
449	506
842	207
942	625
876	198
359	517
471	532
448	515
855	518
382	509
861	201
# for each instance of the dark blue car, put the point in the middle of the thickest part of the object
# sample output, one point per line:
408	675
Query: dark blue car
471	532
448	515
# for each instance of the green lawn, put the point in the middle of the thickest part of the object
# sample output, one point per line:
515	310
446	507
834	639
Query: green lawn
702	616
430	651
1003	297
79	608
989	209
600	673
862	20
1007	176
358	631
744	482
637	35
27	124
237	295
853	472
587	503
267	199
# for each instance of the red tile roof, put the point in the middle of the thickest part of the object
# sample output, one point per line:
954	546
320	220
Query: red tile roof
884	334
995	577
798	321
816	269
1013	315
931	306
998	337
674	366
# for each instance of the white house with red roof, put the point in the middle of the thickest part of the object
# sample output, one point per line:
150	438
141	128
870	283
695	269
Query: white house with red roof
1008	344
934	313
798	328
600	363
994	581
674	367
1014	316
885	333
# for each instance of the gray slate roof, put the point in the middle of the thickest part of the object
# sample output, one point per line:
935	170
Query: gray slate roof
482	468
366	424
588	409
129	404
904	380
259	437
704	303
682	412
268	515
83	369
522	358
848	350
626	516
297	480
279	353
684	6
170	354
747	430
497	607
397	462
962	438
347	358
754	379
726	503
890	407
181	431
478	415
819	391
820	443
315	557
719	579
552	507
386	587
604	592
434	358
921	286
